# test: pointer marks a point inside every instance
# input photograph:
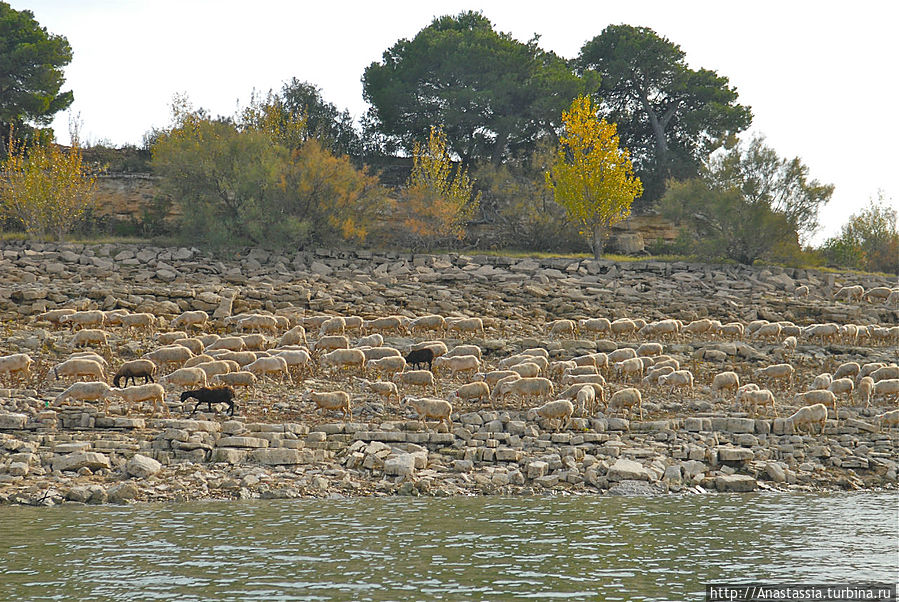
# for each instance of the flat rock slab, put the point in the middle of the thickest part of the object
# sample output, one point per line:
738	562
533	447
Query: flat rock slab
628	470
92	460
736	482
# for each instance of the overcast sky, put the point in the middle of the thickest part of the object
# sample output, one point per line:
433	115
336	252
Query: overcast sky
819	76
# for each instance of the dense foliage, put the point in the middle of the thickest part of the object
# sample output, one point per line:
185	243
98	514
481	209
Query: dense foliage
868	241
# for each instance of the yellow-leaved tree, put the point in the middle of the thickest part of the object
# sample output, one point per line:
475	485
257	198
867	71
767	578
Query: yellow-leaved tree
592	178
436	204
45	187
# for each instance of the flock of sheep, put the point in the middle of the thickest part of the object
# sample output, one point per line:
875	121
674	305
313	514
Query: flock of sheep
209	361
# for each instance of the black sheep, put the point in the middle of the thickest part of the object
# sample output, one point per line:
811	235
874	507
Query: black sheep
421	356
211	396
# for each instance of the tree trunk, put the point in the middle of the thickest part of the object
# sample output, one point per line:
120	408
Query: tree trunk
597	242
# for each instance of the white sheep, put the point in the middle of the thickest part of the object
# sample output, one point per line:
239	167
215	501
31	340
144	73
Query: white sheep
437	347
373	340
757	397
217	367
387	365
767	331
652	377
84	318
150	392
851	293
460	363
474	390
561	327
526	369
777	372
887	387
17	363
90	336
334	400
228	343
78	368
820	382
885	373
386	324
586	400
333	326
428	323
525	388
560	409
821	396
561	367
623	327
629	367
376	353
890	419
188	319
201	359
846	369
331	343
801	292
866	389
584	379
297	359
142	320
186	377
353	323
732	330
650	349
465	325
426	408
343	359
814	414
235	379
294	336
54	316
619	355
725	381
868	368
626	399
678	378
173	354
841	386
381	388
463	350
86	391
494	376
418	378
595	325
270	365
195	345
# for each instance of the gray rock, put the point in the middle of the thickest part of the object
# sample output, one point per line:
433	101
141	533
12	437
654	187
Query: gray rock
775	472
142	466
399	465
12	421
122	492
91	460
736	482
281	456
627	470
633	488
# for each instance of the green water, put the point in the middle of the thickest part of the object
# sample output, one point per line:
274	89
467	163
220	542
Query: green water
583	547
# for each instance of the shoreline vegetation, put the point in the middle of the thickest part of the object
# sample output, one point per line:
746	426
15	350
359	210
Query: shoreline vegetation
277	445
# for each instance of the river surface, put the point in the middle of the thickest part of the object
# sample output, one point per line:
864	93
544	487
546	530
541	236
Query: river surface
578	547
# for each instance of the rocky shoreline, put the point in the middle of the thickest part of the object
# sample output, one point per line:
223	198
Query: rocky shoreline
276	447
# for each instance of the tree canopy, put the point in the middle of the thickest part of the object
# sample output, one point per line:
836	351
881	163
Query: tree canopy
670	116
31	64
592	177
333	128
493	94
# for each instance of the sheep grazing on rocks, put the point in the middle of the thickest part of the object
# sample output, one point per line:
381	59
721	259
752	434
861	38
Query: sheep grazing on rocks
185	377
200	359
426	407
294	336
417	378
842	386
558	328
532	351
135	369
623	327
583	379
217	367
462	326
344	359
821	382
821	396
373	340
886	388
525	388
725	381
54	316
561	367
255	342
850	293
418	357
228	343
270	365
86	391
90	336
619	355
494	376
526	369
777	372
678	378
196	346
868	368
190	319
174	354
428	323
167	338
626	399
652	377
464	350
885	373
474	390
754	398
650	349
387	390
767	331
211	396
586	401
866	389
297	360
438	347
78	368
626	368
331	343
151	392
332	326
595	325
732	330
808	415
247	380
84	318
890	419
846	369
580	371
560	409
801	292
338	401
386	325
376	353
18	364
386	365
258	323
145	321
